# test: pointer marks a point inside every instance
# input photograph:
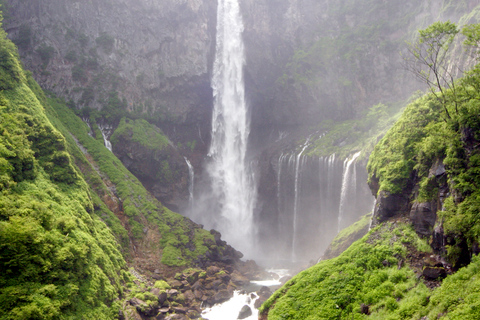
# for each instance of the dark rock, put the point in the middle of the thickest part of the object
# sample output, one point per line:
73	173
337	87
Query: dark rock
389	205
176	284
198	294
245	312
238	279
433	273
438	240
147	310
180	310
189	295
364	309
221	296
386	263
136	302
176	317
121	316
162	298
164	310
212	270
423	216
193	314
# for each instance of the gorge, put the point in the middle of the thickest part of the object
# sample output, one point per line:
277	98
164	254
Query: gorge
261	120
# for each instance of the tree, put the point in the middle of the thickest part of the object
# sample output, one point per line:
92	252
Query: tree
428	60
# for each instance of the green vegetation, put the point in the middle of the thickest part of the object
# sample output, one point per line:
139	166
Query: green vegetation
60	238
348	236
142	132
140	208
366	273
58	259
366	279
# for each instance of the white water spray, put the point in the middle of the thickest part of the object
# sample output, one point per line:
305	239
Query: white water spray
349	180
232	180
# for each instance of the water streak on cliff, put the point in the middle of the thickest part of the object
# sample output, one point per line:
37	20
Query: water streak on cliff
191	181
349	184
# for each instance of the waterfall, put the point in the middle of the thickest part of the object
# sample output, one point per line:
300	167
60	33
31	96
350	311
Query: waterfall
349	180
231	175
191	180
373	213
104	130
295	205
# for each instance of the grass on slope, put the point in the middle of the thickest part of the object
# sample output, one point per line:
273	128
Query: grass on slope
58	260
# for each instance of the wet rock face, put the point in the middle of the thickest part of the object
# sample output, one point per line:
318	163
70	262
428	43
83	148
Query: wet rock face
423	217
163	172
156	54
389	205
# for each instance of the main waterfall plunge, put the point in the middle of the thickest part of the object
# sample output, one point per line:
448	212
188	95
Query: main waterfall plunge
232	193
315	197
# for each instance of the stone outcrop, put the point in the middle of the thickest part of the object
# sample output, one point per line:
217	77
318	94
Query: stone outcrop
156	54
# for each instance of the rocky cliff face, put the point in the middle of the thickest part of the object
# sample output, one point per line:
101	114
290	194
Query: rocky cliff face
155	54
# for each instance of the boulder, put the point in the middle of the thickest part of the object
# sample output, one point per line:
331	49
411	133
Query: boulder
364	309
389	205
245	312
162	298
222	296
423	216
238	279
434	273
136	302
212	270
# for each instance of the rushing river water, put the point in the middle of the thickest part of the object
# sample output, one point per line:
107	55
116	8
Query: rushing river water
230	309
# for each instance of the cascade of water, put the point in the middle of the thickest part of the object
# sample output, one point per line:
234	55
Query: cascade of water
191	181
348	181
373	211
103	130
231	175
295	205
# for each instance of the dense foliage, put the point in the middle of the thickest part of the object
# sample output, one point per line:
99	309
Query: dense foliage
366	273
142	132
58	259
62	246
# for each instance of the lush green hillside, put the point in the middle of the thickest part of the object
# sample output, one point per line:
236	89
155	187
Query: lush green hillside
72	217
58	258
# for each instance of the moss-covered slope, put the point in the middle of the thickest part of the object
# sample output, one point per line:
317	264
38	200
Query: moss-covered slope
58	259
72	216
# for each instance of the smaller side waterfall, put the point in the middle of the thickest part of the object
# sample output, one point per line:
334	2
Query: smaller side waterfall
349	181
104	130
315	198
191	181
295	205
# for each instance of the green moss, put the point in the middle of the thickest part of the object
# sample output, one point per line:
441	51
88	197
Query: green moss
58	259
335	289
347	236
394	157
142	132
162	285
